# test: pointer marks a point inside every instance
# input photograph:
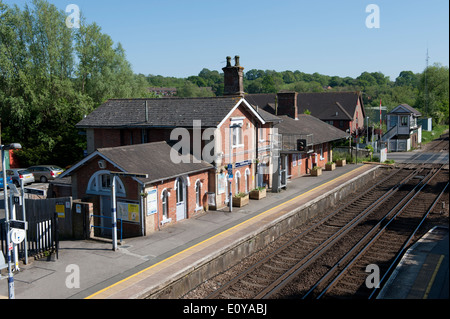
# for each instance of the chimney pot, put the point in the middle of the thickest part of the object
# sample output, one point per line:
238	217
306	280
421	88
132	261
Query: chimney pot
233	78
236	59
228	61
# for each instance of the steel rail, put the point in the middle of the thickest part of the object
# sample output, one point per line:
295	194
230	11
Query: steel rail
287	279
402	251
297	237
376	229
284	279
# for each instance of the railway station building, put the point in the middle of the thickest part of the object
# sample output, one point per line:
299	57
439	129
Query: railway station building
209	147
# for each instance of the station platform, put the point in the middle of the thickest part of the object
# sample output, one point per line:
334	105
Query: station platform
423	272
91	270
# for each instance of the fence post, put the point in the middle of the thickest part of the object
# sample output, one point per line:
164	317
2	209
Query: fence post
56	232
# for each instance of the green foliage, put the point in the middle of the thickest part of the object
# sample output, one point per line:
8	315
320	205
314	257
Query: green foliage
51	76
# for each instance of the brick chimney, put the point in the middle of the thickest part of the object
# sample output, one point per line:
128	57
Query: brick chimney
287	104
233	78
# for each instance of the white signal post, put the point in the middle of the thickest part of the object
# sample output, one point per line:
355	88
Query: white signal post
14	146
114	205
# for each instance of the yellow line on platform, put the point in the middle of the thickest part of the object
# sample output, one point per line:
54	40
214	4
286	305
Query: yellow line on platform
219	234
433	277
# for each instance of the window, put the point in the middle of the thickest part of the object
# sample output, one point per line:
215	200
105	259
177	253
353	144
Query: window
179	186
106	182
403	120
198	194
247	180
100	184
165	204
236	132
238	182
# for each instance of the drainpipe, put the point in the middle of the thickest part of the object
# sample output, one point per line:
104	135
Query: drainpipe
142	210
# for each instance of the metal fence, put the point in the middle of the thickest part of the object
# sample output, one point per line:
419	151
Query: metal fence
42	237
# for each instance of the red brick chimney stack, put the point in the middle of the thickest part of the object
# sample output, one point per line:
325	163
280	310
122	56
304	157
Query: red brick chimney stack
287	104
233	78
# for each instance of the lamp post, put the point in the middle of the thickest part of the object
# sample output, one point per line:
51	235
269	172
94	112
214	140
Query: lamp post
14	146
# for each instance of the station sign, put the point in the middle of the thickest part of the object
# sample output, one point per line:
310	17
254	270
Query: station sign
34	191
17	235
18	224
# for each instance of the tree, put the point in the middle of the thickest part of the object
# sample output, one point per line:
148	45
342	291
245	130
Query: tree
268	84
51	76
433	96
407	78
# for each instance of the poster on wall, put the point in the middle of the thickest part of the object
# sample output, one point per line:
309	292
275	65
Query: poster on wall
128	212
221	183
152	201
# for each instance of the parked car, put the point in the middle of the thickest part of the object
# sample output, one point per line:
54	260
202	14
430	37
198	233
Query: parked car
44	173
18	174
8	178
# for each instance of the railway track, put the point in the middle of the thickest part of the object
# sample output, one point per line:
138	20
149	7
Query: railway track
440	144
300	253
382	247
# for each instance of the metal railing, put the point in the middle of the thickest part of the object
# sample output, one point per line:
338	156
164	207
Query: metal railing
109	228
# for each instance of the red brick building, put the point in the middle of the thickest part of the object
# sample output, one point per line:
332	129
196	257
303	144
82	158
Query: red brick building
137	135
172	191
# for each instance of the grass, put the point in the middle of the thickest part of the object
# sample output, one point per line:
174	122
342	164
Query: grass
434	134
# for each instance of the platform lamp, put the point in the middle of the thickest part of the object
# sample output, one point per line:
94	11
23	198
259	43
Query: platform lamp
13	146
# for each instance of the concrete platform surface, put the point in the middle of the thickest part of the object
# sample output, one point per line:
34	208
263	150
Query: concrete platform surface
423	272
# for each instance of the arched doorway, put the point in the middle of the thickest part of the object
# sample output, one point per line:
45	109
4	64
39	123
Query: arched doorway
180	188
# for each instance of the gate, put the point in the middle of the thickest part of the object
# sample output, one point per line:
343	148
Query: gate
42	237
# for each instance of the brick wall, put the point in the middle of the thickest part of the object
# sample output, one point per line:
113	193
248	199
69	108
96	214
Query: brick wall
305	162
156	221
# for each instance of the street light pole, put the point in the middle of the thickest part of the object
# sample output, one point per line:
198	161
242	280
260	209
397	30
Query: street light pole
11	293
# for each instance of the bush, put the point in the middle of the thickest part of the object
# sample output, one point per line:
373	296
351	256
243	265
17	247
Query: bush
239	195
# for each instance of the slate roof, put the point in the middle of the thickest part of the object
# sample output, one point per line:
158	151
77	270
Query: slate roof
408	108
150	158
308	124
162	112
323	105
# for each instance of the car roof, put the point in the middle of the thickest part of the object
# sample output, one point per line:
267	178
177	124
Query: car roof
56	166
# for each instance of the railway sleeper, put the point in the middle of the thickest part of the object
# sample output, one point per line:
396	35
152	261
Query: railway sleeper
277	269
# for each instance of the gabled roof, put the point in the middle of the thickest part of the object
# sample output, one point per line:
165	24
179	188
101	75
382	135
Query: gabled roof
163	112
405	108
323	105
153	159
308	124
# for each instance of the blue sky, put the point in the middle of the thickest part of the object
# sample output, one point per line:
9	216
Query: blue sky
180	38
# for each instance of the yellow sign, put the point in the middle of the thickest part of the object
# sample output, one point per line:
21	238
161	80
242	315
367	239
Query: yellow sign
127	211
60	210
